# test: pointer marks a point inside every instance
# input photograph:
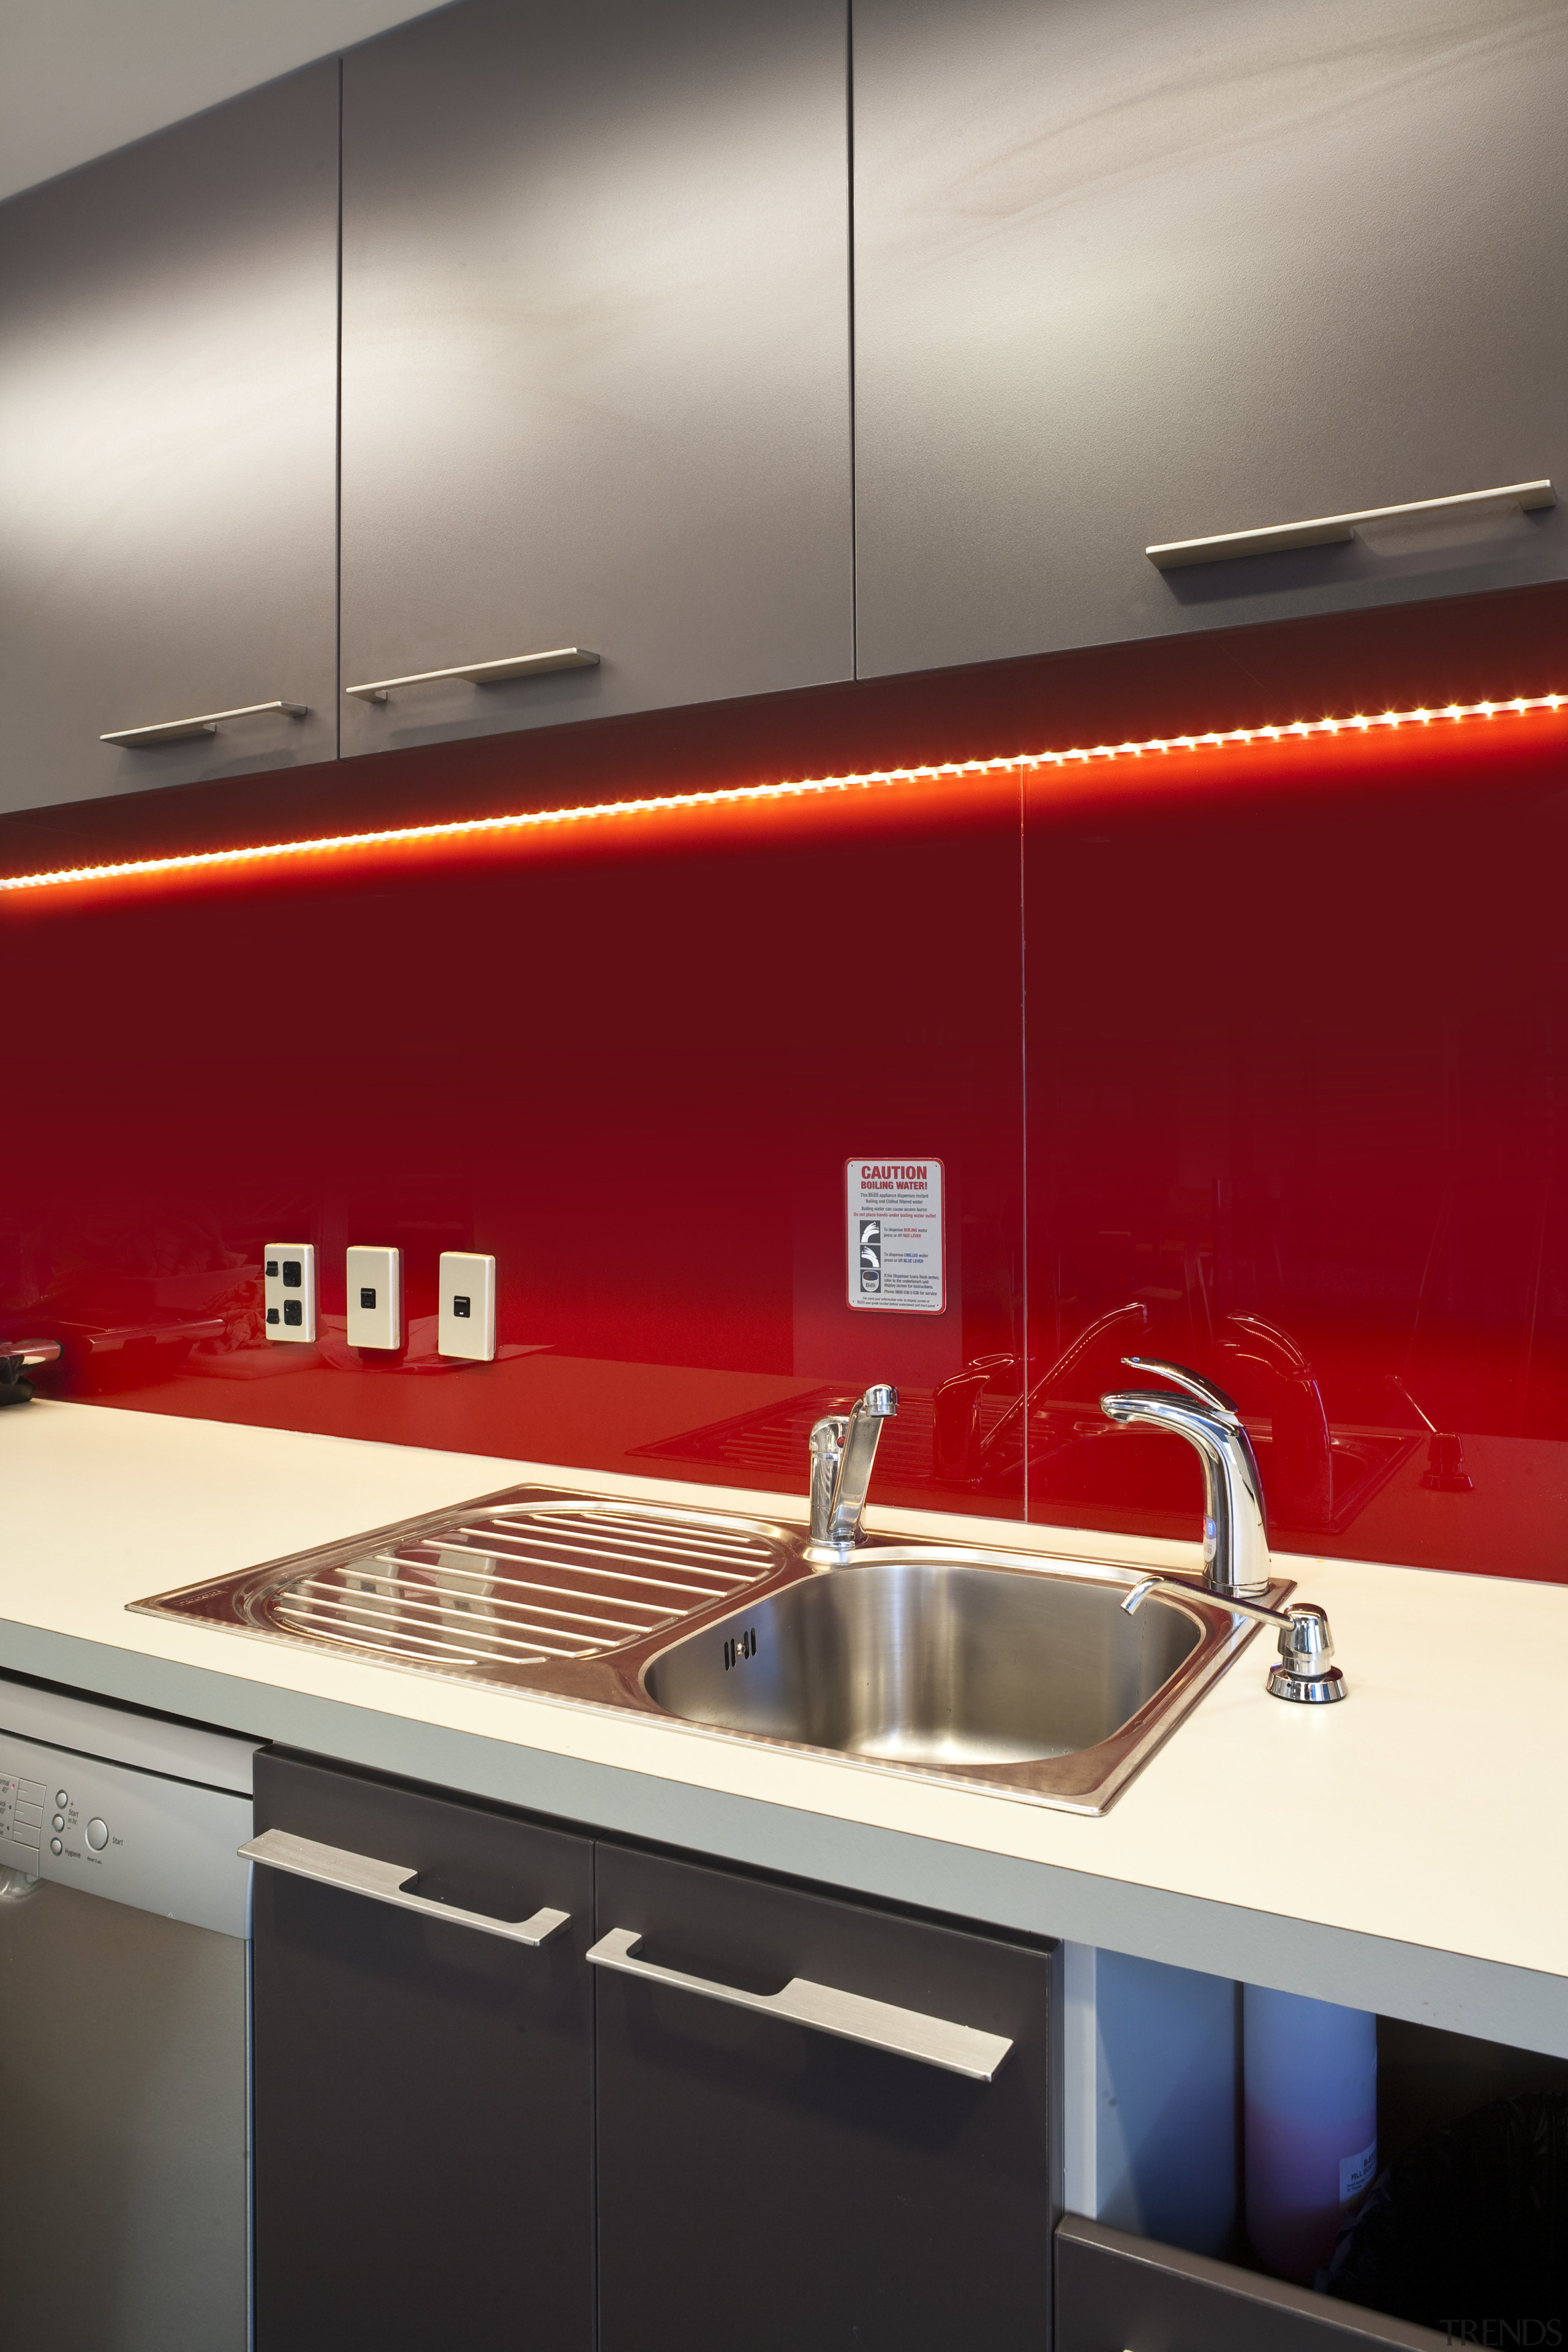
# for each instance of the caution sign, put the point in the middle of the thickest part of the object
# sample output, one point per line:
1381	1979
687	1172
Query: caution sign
897	1257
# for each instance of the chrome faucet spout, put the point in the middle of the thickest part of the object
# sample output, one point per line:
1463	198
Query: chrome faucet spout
1235	1531
1236	1527
843	1455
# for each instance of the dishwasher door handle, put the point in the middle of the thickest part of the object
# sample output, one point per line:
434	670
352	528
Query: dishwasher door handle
386	1882
908	2033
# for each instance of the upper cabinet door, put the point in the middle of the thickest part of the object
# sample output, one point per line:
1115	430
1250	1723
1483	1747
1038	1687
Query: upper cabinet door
596	361
1139	271
168	437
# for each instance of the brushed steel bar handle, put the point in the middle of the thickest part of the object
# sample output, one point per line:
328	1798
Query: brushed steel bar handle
176	730
936	2041
384	1881
1333	531
493	673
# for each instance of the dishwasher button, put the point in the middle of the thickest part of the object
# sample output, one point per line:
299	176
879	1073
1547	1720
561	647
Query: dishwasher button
58	1822
55	1847
61	1798
98	1835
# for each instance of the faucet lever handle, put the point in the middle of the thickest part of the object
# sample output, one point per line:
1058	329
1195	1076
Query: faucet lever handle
880	1402
1195	1384
1306	1670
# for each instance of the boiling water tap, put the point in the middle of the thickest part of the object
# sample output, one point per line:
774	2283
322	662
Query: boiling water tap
843	1455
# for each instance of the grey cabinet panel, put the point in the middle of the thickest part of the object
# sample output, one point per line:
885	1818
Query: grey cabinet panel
1138	270
145	2154
595	358
1114	2290
423	2091
168	428
764	2187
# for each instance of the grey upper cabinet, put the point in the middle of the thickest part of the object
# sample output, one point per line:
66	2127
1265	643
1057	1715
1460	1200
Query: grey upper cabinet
595	363
168	431
1132	271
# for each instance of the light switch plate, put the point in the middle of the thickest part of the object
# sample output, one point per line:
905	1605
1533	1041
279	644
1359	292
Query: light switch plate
466	1322
288	1289
375	1297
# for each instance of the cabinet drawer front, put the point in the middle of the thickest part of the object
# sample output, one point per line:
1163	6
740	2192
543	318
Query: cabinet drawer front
423	2083
782	2186
1116	2292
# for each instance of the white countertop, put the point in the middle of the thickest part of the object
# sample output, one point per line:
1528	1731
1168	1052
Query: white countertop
1399	1852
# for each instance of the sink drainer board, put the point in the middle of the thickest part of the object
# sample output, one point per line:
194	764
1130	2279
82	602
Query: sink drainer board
1015	1672
506	1582
523	1585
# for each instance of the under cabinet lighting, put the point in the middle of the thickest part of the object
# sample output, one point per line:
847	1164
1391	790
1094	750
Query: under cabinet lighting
604	813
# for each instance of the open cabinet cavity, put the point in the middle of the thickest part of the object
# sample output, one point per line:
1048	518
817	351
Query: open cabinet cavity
1453	2227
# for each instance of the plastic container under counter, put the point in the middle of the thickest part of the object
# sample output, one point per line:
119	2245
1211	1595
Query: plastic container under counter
1309	2071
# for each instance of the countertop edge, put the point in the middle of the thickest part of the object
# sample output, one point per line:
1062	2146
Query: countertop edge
1494	2000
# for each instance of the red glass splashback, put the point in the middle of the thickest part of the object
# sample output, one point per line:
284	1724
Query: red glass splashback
1252	1056
1295	1085
633	1068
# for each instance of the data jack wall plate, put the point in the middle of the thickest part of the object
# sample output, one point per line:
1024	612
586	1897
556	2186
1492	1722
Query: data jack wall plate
466	1323
375	1297
288	1289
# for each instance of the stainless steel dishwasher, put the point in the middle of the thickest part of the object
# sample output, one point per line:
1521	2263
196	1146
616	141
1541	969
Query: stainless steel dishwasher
124	2138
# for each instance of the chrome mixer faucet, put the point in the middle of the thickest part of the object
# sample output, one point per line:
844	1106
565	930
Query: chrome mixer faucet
1235	1529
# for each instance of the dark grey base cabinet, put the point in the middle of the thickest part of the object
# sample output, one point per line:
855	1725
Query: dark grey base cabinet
424	2092
764	2187
448	2154
1115	2292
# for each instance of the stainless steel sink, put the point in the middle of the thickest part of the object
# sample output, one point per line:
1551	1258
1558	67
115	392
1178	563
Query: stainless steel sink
919	1661
1007	1671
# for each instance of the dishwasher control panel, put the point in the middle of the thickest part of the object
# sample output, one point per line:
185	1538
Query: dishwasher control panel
137	1837
22	1817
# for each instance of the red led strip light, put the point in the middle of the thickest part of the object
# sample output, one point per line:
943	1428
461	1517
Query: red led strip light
476	828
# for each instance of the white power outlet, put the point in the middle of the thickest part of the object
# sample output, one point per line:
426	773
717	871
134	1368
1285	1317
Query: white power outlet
466	1322
288	1289
375	1297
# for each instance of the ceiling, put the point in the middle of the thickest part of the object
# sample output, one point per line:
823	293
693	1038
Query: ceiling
81	76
